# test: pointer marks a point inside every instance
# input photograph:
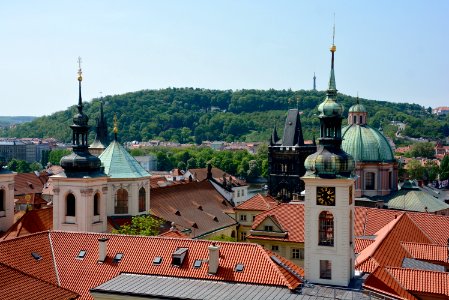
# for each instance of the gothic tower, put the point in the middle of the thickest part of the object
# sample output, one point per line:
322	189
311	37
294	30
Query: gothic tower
80	192
286	159
329	204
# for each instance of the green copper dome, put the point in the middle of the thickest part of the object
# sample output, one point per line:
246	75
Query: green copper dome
329	108
118	163
358	108
327	163
366	144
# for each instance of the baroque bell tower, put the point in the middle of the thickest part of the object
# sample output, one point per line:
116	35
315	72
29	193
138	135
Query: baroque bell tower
329	204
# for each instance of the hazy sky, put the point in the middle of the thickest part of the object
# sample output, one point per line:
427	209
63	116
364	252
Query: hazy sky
386	50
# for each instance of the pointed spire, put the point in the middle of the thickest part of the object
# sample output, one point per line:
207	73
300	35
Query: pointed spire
274	136
332	85
115	127
80	78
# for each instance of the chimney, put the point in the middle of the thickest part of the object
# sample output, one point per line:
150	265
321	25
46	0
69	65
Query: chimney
209	171
214	257
102	249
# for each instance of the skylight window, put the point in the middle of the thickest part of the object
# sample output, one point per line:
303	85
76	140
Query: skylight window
117	258
36	256
157	260
197	263
239	267
81	254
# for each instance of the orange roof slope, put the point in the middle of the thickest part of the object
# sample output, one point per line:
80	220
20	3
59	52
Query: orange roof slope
139	252
421	281
29	183
258	202
387	250
32	221
16	253
174	234
201	174
17	285
197	206
289	216
429	252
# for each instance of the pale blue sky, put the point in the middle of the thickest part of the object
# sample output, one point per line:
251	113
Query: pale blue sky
386	50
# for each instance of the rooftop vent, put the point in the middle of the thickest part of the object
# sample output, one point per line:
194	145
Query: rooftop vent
36	256
215	219
178	256
117	258
81	254
214	257
200	207
178	213
157	260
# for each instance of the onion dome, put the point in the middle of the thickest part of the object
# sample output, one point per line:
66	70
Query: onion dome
80	162
330	160
357	108
327	163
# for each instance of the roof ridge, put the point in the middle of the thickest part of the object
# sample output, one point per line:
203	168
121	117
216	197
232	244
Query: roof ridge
54	258
265	252
404	290
417	270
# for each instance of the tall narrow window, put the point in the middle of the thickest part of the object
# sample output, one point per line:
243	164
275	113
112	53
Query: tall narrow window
2	200
70	205
390	180
355	120
326	229
361	119
96	204
142	196
121	202
369	181
325	269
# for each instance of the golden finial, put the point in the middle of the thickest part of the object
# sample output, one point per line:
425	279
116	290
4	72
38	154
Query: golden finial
115	124
80	72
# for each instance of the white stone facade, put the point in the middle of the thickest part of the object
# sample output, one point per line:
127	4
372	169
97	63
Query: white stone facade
341	254
7	198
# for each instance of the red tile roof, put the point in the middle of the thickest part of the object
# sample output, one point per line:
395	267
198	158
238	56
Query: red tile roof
290	217
19	285
32	221
421	281
80	275
427	252
258	202
29	183
174	234
197	206
200	174
360	244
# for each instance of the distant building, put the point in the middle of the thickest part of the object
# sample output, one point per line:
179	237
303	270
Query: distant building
148	162
441	110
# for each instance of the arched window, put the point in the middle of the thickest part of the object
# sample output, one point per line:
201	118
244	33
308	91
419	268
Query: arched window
70	205
97	204
326	229
361	119
121	202
142	196
355	120
369	181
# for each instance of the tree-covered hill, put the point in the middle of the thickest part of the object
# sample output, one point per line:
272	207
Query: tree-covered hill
194	115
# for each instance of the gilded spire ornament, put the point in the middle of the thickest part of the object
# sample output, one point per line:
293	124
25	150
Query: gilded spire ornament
115	127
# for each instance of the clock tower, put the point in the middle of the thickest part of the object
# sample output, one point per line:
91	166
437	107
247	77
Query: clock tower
329	205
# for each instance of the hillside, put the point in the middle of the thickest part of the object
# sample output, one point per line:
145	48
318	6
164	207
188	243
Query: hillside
194	115
8	121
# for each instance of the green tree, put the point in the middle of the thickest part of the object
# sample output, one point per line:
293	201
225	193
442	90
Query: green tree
444	168
415	170
141	225
56	154
19	166
425	149
253	169
35	166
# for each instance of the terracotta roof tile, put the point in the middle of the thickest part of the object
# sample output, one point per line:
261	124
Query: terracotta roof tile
382	281
174	234
427	251
16	253
201	175
29	183
18	285
180	204
360	244
32	221
140	251
289	216
258	202
422	281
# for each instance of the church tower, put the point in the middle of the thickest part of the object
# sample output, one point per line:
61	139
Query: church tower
81	190
6	198
329	203
286	159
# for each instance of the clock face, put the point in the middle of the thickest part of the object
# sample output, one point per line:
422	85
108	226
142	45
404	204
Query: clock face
325	196
350	195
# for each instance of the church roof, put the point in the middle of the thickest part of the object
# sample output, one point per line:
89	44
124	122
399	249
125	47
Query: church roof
357	108
366	144
416	200
292	130
118	163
